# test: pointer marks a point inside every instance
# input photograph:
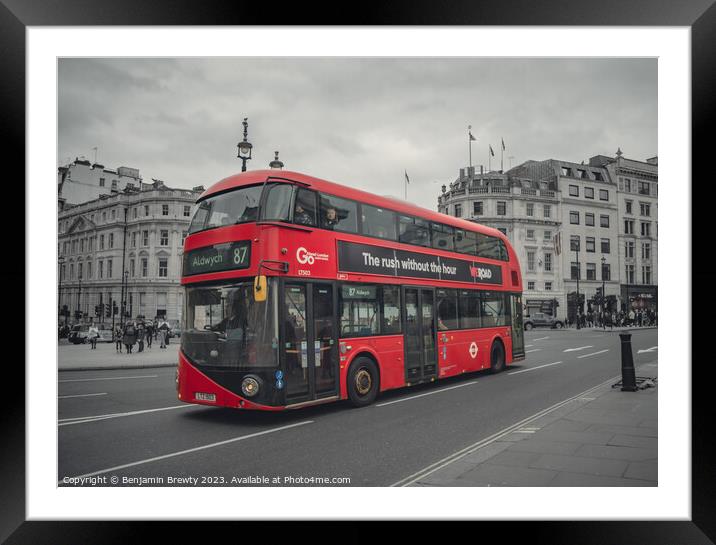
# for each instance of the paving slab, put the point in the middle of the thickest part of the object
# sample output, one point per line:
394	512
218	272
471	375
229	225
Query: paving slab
632	454
581	464
496	475
643	470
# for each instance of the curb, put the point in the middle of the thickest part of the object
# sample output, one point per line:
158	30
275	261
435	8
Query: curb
117	367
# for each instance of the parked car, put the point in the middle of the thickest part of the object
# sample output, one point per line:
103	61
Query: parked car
78	335
540	319
105	335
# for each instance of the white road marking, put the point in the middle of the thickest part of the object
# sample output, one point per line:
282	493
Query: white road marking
533	368
106	378
529	345
84	419
426	394
492	438
648	350
541	339
577	349
593	354
187	451
533	350
82	395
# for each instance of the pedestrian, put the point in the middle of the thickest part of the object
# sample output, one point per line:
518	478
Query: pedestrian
163	329
118	338
140	336
92	335
149	333
130	336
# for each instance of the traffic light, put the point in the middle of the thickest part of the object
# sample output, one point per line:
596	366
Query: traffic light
65	311
97	311
115	310
599	295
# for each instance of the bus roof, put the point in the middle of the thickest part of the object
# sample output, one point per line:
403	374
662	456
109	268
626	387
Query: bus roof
398	205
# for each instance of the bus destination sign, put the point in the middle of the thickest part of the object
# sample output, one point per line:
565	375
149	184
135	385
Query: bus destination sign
362	258
220	257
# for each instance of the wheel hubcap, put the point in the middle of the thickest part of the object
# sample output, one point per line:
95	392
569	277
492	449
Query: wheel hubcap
363	381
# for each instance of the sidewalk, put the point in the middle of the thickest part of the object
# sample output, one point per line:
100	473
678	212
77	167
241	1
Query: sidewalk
605	437
80	357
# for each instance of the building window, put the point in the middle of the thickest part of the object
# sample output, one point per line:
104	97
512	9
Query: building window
591	271
628	207
101	269
111	240
574	191
628	227
566	171
79	270
501	208
109	268
604	221
574	243
589	220
531	285
643	188
629	249
477	208
104	216
164	237
574	218
165	210
134	212
114	214
187	211
548	262
547	211
163	268
530	234
630	274
590	245
82	245
645	229
145	238
89	269
144	267
131	268
146	209
588	192
114	185
605	246
603	195
598	176
548	236
627	185
101	242
575	272
548	286
162	305
530	261
646	274
606	272
530	209
645	209
458	210
101	182
142	303
134	239
646	250
582	174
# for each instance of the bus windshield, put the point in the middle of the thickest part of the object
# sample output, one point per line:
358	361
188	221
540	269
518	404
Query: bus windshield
226	328
238	206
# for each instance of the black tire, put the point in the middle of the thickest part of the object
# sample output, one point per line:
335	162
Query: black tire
363	382
558	325
497	357
528	326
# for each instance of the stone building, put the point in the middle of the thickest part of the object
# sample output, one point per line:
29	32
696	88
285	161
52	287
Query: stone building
139	230
570	223
80	181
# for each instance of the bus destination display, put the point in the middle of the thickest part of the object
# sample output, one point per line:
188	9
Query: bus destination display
220	257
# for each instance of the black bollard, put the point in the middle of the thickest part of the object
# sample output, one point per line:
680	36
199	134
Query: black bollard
628	373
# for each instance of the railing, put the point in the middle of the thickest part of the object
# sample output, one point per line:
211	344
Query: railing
528	191
478	190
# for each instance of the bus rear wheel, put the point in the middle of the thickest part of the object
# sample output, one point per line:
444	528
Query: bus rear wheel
363	382
497	357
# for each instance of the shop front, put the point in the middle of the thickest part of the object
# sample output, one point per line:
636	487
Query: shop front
636	297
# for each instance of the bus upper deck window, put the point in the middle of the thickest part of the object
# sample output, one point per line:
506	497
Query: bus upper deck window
304	212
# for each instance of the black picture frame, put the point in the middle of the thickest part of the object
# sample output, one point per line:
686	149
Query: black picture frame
700	16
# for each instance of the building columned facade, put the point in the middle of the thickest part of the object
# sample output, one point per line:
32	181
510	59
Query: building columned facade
128	242
580	230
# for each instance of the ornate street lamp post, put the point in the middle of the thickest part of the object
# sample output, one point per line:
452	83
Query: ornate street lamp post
604	295
61	263
245	147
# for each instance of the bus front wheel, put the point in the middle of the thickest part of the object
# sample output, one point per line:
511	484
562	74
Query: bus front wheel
363	382
497	357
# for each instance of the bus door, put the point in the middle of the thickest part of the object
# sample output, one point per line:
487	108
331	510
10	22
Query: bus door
518	334
419	328
309	344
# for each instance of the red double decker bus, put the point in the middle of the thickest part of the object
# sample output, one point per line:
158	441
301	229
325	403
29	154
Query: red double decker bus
302	291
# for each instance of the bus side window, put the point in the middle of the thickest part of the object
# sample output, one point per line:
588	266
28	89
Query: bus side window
304	212
339	214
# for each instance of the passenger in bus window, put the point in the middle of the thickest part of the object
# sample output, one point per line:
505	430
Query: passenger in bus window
331	218
301	216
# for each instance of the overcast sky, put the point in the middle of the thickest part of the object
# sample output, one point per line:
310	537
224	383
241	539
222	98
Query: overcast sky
361	122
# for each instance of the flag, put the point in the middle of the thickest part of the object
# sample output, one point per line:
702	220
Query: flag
492	152
503	144
406	177
472	138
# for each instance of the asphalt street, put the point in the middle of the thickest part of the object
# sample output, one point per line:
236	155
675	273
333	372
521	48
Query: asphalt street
129	423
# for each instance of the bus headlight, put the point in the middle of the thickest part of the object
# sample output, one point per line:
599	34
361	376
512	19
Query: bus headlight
250	386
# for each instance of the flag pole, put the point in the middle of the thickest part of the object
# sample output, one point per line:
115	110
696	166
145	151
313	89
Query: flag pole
469	142
502	153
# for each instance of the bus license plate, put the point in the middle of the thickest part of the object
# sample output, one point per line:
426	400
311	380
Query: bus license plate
200	396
